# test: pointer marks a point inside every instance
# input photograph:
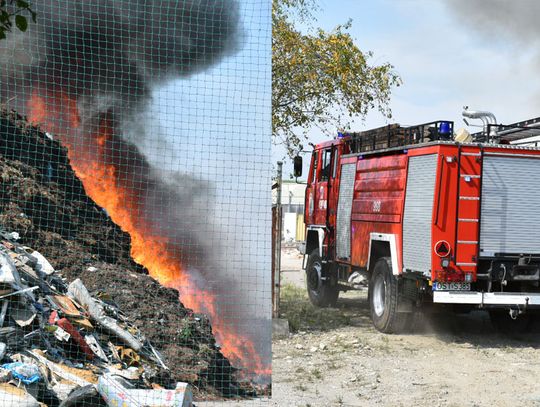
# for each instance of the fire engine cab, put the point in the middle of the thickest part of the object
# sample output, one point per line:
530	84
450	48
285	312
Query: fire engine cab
427	216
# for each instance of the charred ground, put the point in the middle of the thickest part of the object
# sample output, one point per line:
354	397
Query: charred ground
43	201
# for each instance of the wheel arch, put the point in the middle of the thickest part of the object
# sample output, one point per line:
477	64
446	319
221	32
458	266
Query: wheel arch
314	240
383	245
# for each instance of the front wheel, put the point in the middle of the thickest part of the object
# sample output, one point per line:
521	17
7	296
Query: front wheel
320	291
384	299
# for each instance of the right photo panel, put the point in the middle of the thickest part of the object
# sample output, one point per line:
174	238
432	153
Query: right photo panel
405	222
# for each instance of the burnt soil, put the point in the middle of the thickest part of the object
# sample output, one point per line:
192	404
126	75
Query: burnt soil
42	199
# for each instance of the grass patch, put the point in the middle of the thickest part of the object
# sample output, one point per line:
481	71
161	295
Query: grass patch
317	374
302	315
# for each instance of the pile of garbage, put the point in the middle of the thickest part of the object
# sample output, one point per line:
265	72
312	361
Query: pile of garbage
60	346
42	199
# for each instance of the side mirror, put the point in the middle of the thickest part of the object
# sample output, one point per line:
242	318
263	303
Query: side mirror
297	166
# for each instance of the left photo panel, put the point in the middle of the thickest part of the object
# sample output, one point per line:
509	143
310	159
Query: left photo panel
135	197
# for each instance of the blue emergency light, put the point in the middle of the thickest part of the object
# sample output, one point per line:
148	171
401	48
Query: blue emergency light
444	128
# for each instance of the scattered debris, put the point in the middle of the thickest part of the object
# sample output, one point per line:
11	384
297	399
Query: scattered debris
117	391
74	347
13	396
26	373
79	292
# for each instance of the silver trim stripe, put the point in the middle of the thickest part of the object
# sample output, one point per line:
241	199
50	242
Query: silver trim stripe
466	264
470	176
468	241
502	299
472	154
467	220
470	198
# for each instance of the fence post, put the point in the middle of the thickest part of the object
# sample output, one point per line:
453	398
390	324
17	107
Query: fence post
276	240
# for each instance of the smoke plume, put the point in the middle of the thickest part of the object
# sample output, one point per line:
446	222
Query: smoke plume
93	65
501	19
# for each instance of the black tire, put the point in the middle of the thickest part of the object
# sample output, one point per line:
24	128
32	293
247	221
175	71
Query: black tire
384	299
321	293
503	323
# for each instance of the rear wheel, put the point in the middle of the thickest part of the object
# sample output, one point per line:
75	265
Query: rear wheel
385	299
504	324
321	292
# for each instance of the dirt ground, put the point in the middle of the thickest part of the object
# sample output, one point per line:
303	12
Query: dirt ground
336	358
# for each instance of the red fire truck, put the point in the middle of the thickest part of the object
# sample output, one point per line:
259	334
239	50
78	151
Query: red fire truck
426	219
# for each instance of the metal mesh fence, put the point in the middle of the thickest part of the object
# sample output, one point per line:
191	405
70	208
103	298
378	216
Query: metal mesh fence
134	204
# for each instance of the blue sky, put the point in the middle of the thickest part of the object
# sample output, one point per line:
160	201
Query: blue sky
444	62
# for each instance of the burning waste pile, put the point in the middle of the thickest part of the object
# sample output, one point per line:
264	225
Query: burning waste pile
77	314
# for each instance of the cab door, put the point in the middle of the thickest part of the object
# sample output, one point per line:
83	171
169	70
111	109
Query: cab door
321	186
309	204
333	188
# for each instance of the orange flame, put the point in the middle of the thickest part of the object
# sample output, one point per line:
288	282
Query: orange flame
100	181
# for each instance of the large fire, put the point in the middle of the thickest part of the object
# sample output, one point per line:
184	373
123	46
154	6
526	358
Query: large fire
102	183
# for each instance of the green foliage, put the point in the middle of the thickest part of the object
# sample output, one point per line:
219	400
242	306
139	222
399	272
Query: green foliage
13	10
186	334
320	78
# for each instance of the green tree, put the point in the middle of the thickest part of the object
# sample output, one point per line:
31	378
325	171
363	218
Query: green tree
320	78
11	11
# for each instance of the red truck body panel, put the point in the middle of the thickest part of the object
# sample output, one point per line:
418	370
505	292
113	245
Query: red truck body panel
378	200
379	196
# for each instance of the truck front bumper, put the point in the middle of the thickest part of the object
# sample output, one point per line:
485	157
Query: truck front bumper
489	299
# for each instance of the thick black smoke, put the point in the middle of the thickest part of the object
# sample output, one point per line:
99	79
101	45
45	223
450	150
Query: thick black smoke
116	48
107	56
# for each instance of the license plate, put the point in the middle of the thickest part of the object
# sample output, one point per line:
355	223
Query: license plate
451	286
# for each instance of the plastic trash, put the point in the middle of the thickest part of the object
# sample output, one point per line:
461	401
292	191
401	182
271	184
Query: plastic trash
25	372
14	235
8	271
96	348
43	264
3	348
114	392
12	396
82	396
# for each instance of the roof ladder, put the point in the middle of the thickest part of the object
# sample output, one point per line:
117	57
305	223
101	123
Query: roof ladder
468	208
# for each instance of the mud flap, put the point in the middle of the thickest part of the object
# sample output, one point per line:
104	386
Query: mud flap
408	295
